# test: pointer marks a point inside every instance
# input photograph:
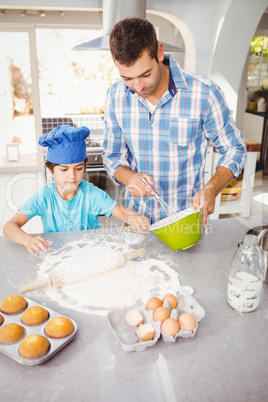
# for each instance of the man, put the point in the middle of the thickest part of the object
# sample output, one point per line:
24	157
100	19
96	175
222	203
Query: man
159	120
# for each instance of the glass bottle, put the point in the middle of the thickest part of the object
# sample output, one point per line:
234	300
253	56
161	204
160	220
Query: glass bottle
246	276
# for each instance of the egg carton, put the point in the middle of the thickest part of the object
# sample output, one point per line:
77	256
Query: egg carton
127	335
56	344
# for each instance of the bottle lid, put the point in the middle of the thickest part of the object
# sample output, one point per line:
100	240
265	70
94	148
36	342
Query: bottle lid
250	239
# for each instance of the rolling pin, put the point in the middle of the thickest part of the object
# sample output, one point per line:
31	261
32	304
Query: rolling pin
95	266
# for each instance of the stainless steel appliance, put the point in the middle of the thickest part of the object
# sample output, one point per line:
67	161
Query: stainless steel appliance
95	172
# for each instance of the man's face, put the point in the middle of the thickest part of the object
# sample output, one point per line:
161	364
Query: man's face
143	77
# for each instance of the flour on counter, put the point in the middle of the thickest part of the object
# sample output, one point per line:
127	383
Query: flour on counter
134	283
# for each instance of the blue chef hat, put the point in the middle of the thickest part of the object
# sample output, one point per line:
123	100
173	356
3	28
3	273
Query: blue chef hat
66	144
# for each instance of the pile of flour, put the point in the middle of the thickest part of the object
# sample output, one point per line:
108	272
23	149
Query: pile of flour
134	283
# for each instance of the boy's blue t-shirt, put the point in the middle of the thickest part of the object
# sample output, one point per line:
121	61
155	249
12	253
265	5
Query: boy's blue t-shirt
80	213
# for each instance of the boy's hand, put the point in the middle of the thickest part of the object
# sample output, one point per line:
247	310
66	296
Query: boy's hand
37	244
138	223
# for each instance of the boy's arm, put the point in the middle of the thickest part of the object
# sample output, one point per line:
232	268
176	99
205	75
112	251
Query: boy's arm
137	222
12	230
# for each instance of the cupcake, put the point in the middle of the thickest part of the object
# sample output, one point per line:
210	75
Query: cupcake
34	315
59	327
13	304
11	333
34	346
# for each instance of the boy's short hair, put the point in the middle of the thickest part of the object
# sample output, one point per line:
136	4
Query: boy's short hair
51	165
130	37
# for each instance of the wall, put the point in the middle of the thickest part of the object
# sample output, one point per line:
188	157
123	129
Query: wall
222	31
230	54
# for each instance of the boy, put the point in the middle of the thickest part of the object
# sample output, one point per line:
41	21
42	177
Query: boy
69	203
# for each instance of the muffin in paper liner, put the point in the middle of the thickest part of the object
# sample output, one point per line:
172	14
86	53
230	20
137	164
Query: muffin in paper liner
127	335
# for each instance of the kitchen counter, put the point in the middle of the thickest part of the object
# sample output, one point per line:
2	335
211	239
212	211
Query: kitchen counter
225	361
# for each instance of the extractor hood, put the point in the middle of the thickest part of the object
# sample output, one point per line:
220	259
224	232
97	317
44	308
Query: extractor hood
114	11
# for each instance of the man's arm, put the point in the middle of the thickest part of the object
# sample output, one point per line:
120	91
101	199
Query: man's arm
206	197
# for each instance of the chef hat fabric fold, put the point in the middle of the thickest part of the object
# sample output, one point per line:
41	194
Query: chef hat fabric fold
66	144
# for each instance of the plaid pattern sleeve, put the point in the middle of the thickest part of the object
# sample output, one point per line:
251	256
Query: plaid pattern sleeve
170	144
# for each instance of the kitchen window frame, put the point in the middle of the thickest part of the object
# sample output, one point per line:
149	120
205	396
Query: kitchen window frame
30	29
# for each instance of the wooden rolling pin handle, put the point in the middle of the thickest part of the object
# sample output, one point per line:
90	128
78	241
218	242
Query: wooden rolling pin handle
133	254
35	285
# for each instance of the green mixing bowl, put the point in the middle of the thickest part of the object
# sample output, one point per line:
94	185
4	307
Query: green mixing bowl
181	233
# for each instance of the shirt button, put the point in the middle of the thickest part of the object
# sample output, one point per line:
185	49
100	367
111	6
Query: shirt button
154	173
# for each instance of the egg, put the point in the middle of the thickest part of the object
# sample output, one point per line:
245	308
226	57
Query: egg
187	322
172	300
153	303
134	317
146	332
161	314
170	326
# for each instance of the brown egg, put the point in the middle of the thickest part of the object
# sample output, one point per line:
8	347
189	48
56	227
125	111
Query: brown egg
170	327
187	322
161	314
1	319
134	317
153	303
172	300
146	332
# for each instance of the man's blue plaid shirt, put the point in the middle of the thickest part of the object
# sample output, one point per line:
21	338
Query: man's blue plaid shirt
171	143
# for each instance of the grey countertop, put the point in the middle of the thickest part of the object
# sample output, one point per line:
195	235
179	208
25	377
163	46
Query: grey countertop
225	361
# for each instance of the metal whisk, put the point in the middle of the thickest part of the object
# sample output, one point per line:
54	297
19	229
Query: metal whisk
163	204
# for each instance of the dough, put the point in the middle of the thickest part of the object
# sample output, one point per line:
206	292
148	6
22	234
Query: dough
34	346
59	327
13	304
1	319
34	315
11	333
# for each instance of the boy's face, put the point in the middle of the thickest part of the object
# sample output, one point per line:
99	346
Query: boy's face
68	177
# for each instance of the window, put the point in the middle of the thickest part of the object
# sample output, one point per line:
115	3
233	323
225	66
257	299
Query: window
17	123
258	63
71	81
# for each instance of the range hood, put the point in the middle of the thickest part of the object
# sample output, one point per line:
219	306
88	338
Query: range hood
114	11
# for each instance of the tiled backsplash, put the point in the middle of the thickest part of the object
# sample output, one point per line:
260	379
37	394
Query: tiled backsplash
92	121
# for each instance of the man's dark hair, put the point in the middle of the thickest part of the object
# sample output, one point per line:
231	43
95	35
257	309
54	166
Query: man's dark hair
130	37
51	165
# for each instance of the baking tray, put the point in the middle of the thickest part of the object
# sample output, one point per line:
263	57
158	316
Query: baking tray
126	334
56	344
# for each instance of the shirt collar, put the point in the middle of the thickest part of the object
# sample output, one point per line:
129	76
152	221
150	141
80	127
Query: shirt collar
176	77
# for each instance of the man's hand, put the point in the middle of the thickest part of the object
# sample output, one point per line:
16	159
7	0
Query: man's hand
206	196
131	180
138	188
